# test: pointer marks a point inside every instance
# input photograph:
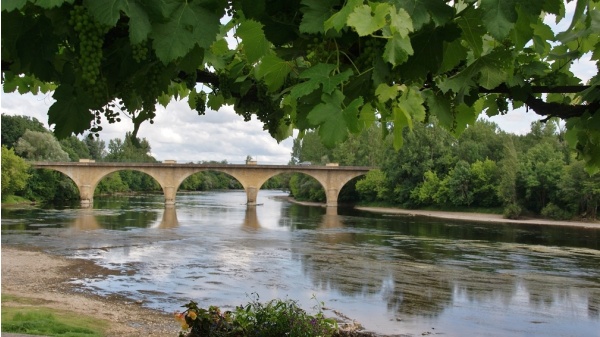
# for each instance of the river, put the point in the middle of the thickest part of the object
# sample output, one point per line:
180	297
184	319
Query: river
393	274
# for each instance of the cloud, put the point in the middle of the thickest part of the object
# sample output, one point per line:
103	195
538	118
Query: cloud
178	132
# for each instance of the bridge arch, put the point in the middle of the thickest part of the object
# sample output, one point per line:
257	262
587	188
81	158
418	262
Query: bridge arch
171	175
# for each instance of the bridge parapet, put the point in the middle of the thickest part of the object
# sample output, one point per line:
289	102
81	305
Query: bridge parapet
87	175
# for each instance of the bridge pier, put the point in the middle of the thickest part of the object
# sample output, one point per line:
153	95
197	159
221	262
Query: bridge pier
332	197
169	192
251	195
86	195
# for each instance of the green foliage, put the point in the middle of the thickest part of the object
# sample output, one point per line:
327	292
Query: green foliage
210	180
50	186
40	146
306	188
333	66
13	128
512	211
554	212
75	148
130	149
14	172
272	319
372	187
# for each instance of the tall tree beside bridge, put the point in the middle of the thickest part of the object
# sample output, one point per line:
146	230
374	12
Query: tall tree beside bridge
333	65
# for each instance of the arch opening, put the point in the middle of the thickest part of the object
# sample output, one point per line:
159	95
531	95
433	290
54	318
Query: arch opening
51	187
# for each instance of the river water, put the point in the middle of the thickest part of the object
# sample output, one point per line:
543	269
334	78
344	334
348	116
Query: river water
395	275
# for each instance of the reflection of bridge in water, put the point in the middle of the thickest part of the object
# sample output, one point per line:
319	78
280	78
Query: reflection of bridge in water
87	175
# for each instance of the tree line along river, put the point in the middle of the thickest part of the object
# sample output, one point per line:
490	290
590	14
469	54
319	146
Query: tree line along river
392	274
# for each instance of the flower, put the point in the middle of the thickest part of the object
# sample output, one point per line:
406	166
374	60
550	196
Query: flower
192	314
180	317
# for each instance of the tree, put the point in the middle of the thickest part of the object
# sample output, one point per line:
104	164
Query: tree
13	128
40	146
75	148
14	172
336	66
96	147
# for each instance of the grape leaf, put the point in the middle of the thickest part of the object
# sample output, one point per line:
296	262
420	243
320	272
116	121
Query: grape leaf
70	113
397	50
423	11
334	120
439	106
429	55
139	23
273	71
499	16
338	20
400	22
187	25
411	102
401	120
386	92
12	5
315	13
366	22
215	101
464	115
319	75
256	44
51	3
473	29
106	12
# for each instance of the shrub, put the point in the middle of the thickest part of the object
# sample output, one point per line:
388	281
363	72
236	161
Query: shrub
512	211
272	319
552	211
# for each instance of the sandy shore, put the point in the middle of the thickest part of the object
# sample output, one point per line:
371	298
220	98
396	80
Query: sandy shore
477	217
44	279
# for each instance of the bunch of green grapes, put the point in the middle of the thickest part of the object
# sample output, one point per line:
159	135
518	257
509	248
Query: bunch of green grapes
140	51
91	38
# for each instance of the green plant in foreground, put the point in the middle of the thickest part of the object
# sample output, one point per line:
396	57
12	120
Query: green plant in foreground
274	318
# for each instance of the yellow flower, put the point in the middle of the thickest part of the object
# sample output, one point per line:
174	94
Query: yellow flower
179	317
192	315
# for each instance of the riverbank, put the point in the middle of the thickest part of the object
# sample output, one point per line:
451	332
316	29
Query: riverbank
476	217
38	279
43	280
460	216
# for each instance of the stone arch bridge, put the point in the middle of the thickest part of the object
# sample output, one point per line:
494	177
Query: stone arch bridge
87	175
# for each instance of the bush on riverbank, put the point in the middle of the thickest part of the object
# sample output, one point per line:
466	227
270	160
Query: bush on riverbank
274	318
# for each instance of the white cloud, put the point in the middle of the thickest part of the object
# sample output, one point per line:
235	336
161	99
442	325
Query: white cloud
178	132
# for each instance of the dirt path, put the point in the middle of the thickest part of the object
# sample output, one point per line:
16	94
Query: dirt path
44	279
478	217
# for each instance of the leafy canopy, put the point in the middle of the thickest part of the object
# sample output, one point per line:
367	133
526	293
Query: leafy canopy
335	65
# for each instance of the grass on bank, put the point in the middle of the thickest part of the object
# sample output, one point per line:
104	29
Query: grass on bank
14	199
26	316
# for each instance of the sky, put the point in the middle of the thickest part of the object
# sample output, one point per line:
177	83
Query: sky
178	133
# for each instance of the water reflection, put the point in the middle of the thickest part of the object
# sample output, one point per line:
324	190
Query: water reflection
251	223
169	218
